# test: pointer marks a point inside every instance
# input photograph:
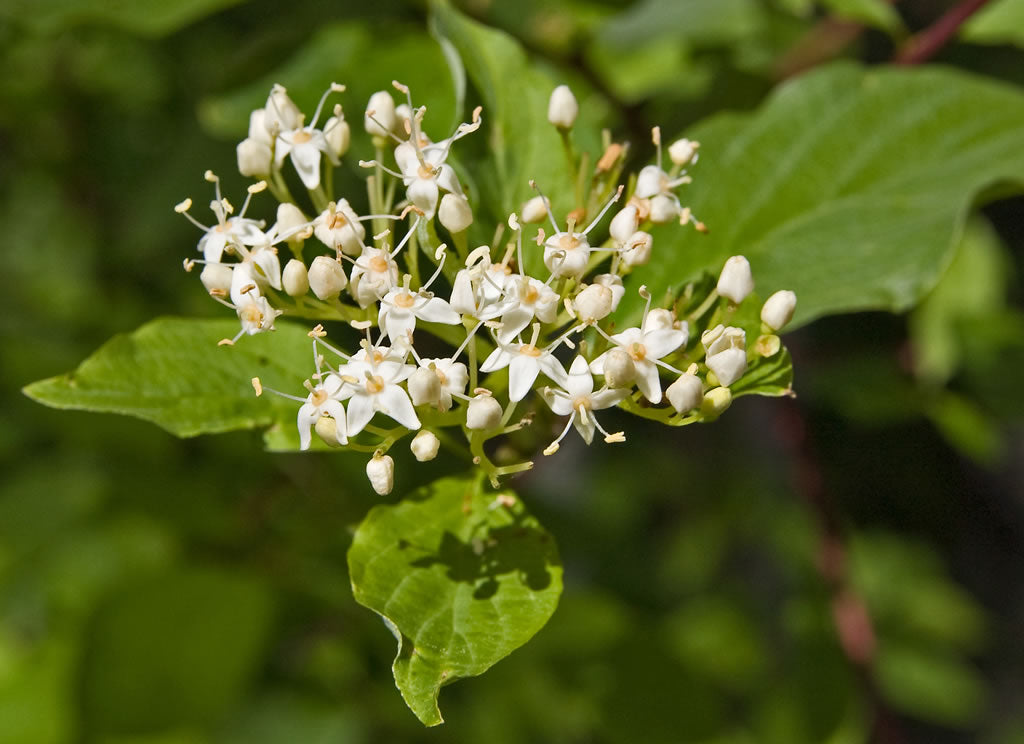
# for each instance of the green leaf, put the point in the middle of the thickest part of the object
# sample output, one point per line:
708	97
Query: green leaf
461	580
145	17
932	686
876	13
172	372
1001	22
849	186
201	633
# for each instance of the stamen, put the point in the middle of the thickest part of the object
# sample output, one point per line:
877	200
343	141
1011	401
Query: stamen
607	206
553	447
376	164
334	88
547	204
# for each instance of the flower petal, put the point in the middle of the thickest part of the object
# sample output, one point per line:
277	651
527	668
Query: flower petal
648	381
394	402
522	373
436	310
663	341
424	194
497	359
360	411
306	159
337	412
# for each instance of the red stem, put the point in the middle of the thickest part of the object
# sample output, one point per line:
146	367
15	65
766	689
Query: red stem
925	44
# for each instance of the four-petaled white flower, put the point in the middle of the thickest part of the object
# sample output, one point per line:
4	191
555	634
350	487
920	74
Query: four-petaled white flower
338	227
524	362
400	308
578	400
645	346
305	144
526	298
371	387
453	377
374	273
323	401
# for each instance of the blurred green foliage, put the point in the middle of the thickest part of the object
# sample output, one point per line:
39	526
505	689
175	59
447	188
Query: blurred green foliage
160	591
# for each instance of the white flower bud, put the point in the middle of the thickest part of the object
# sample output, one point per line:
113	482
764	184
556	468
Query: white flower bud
216	277
664	209
455	213
778	310
534	211
424	387
593	303
562	107
295	278
619	368
326	278
686	393
682	151
736	281
254	158
726	353
258	127
383	107
659	318
425	445
637	250
483	413
280	114
624	224
338	135
381	472
289	219
614	283
327	429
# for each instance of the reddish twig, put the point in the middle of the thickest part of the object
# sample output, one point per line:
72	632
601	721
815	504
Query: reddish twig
925	44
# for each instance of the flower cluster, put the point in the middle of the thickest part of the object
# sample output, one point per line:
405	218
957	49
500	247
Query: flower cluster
530	312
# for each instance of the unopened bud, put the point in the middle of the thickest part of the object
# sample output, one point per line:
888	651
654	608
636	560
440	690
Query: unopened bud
593	303
295	278
455	213
682	151
216	277
483	413
659	318
327	429
686	393
736	281
289	220
254	158
280	114
624	224
715	402
562	108
338	135
380	119
258	127
664	209
619	368
381	472
778	309
424	387
534	211
425	445
614	283
326	278
637	250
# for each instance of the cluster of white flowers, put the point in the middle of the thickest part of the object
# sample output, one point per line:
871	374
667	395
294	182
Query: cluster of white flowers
522	314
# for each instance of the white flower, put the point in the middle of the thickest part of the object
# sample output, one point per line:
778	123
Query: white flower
726	353
736	280
637	250
478	289
236	232
400	308
373	386
525	362
778	309
562	107
279	115
304	144
374	273
452	376
256	315
579	401
338	227
322	401
567	252
526	298
326	277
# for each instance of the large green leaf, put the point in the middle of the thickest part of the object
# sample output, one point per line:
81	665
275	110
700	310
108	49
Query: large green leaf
1001	22
460	578
849	186
172	372
146	17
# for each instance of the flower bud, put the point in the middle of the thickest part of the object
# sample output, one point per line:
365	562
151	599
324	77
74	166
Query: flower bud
614	283
425	445
778	309
624	224
280	114
455	213
483	413
295	278
381	472
682	151
383	107
664	209
534	211
424	387
715	402
593	303
258	127
659	318
254	158
637	250
327	429
216	277
289	219
736	281
326	278
562	108
686	393
338	135
726	353
619	368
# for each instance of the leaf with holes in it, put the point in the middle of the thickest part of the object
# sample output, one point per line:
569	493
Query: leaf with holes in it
461	577
172	372
848	186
